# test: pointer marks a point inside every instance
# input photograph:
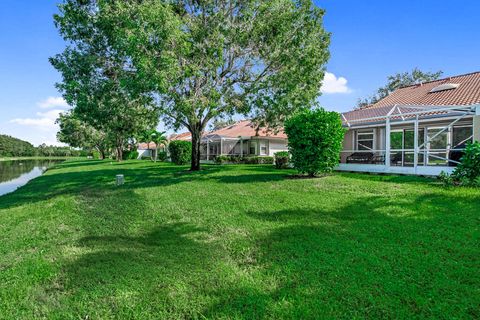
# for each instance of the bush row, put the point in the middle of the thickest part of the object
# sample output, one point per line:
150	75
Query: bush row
244	160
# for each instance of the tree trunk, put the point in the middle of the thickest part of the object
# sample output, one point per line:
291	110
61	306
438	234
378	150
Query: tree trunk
196	141
119	154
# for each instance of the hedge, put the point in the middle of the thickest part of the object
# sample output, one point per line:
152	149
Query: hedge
180	152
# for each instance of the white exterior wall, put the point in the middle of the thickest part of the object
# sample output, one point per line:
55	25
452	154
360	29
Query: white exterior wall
276	146
144	153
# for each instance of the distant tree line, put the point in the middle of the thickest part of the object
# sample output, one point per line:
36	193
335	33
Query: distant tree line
14	147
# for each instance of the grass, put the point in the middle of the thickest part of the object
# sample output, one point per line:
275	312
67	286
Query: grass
236	242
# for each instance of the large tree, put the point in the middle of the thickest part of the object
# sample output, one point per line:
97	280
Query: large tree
97	75
79	134
397	81
206	59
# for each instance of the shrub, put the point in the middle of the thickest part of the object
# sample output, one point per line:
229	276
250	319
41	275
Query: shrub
282	159
162	156
129	154
222	159
180	151
258	160
246	160
95	154
467	173
315	140
469	167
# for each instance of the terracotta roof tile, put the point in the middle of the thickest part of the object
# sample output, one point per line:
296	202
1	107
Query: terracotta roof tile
244	128
467	93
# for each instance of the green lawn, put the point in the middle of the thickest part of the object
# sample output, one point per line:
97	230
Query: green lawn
236	242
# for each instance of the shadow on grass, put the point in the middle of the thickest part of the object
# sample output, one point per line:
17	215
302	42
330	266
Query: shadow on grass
370	258
75	177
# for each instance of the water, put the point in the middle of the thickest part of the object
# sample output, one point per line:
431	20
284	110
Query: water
14	174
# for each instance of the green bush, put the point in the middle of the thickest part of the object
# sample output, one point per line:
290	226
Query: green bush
162	156
282	159
180	151
243	160
130	154
95	154
222	159
315	140
467	173
258	160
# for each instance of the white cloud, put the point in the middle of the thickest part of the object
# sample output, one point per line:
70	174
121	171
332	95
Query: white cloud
332	84
53	102
40	127
44	120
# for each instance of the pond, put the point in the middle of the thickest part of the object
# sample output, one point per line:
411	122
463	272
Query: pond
16	173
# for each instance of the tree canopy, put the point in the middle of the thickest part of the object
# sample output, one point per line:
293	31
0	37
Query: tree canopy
80	134
195	60
13	147
397	81
96	74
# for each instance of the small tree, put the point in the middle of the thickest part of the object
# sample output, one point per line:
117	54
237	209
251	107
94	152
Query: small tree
315	140
159	139
180	151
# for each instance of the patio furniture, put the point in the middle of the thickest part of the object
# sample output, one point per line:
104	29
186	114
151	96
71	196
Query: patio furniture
396	159
378	159
360	157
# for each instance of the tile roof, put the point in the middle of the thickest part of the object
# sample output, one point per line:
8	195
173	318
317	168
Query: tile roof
244	128
181	136
467	93
146	146
411	98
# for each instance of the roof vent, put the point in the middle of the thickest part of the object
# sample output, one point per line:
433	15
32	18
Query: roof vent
445	86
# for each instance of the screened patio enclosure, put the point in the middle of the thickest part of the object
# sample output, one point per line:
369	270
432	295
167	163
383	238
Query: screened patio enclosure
422	140
213	146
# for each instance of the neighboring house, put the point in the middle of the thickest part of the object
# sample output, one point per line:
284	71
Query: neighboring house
147	149
239	139
420	129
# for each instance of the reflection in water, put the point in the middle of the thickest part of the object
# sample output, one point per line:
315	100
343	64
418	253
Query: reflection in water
14	174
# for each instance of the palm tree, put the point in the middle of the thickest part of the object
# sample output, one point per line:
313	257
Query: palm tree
158	138
146	136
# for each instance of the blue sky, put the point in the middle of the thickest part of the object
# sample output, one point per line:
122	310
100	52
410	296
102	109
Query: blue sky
370	40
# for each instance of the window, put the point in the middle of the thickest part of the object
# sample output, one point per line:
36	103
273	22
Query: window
461	135
365	140
253	147
263	148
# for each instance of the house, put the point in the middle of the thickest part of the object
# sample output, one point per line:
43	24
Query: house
419	129
146	150
239	139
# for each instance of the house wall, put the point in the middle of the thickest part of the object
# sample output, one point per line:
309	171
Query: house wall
144	153
276	146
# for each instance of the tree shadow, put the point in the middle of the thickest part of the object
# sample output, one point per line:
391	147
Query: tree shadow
367	259
73	179
63	181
